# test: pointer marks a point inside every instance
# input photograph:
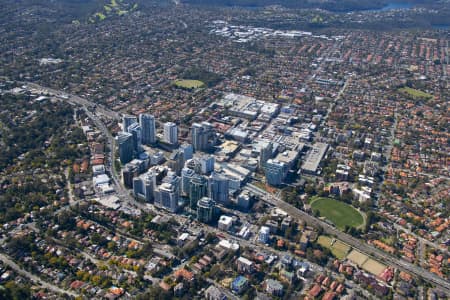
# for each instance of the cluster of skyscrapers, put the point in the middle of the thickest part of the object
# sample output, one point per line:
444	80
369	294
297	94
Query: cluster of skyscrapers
276	169
199	180
184	176
198	184
189	177
160	186
134	134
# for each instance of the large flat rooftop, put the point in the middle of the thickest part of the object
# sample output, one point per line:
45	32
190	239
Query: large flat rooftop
314	157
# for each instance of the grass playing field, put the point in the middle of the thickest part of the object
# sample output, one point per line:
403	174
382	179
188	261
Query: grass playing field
189	84
374	267
338	248
415	93
357	257
340	213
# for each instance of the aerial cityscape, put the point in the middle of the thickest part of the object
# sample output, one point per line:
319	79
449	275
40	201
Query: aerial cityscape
224	149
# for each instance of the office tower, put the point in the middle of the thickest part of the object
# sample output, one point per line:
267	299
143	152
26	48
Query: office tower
197	137
144	186
207	163
149	183
218	188
157	158
128	173
187	150
174	180
171	177
127	120
166	196
176	161
198	188
171	133
138	188
194	164
136	130
205	210
265	153
125	143
148	129
244	200
276	172
203	136
186	175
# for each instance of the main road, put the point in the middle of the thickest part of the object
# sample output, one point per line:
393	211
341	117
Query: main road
8	261
292	210
100	110
353	242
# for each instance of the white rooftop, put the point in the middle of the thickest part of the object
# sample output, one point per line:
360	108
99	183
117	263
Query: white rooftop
226	220
229	245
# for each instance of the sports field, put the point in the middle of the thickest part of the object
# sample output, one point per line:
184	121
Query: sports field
338	248
374	267
339	213
189	84
357	257
415	93
368	264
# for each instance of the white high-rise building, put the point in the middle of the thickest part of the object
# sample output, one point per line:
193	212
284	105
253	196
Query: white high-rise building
144	185
265	153
168	193
186	176
207	163
166	196
171	133
276	172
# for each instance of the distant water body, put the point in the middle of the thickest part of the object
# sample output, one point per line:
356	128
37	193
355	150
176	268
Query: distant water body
389	6
394	5
405	5
443	27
